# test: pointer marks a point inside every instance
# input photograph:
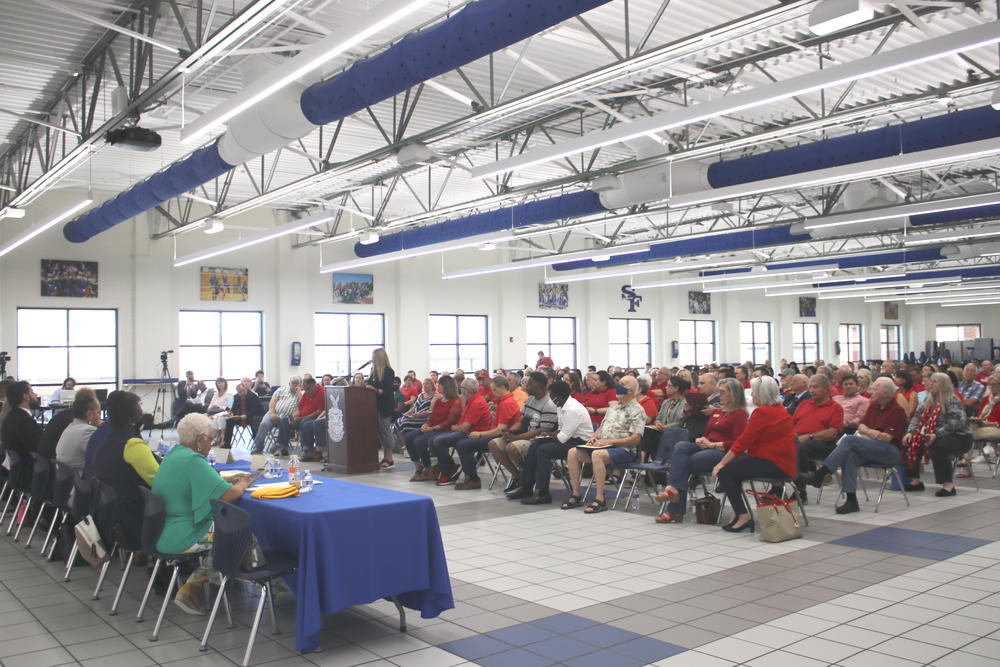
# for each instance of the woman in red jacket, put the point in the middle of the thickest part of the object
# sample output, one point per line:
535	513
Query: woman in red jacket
602	394
769	443
446	409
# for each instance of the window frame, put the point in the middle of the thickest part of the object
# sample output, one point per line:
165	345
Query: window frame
885	343
957	327
753	340
681	343
351	363
846	345
458	342
221	346
67	347
627	342
804	344
547	346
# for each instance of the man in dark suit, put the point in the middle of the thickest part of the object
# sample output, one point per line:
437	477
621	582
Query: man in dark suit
798	391
19	431
248	405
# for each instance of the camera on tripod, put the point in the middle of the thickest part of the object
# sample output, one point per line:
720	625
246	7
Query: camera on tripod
4	358
163	355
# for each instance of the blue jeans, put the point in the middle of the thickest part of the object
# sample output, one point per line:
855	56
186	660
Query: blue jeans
854	451
312	434
467	449
686	460
441	445
418	445
266	424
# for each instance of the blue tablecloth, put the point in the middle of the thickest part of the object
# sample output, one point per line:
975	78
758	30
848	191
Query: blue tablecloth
355	544
235	465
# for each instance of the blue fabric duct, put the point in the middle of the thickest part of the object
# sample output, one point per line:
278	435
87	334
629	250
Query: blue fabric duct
474	32
945	130
545	210
859	262
200	167
959	215
911	278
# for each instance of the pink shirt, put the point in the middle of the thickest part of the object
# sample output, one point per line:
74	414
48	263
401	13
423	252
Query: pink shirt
854	407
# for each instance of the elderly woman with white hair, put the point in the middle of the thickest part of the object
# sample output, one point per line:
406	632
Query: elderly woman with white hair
769	444
187	484
475	417
878	441
939	429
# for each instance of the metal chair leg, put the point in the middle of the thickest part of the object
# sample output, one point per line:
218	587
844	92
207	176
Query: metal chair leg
163	607
211	617
24	516
10	497
618	494
149	589
270	606
13	516
69	561
121	584
57	519
104	573
256	625
229	611
881	491
34	526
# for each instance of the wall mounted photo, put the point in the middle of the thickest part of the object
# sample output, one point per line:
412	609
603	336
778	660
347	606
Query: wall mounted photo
221	284
699	303
353	288
61	277
890	310
554	296
807	306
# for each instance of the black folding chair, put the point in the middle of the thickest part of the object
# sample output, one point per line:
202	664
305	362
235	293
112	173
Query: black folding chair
62	492
19	491
105	512
41	492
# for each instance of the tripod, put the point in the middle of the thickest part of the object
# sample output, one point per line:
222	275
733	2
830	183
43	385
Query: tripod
164	387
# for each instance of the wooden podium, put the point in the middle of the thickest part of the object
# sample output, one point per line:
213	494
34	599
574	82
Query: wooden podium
351	430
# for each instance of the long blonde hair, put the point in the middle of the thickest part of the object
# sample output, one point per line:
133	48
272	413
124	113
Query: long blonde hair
380	362
945	390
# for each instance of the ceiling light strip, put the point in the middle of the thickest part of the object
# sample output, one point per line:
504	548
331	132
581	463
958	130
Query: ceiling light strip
695	280
595	255
262	237
27	236
469	242
888	212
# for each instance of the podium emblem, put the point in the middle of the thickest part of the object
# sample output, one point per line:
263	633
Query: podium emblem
336	420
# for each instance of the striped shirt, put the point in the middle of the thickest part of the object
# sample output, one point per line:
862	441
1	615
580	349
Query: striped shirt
539	413
287	401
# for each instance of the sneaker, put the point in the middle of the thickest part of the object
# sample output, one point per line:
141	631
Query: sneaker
469	484
445	480
189	605
387	465
512	485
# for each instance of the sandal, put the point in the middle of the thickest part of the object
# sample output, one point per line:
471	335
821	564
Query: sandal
596	507
571	502
669	495
667	517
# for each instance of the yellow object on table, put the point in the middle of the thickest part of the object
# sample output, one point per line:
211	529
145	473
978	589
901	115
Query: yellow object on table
276	492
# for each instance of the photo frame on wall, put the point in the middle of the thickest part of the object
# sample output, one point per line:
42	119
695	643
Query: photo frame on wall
890	310
807	306
357	288
554	296
699	303
224	284
69	278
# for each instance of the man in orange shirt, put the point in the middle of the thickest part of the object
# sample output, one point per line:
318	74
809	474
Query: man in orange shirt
506	417
475	417
817	423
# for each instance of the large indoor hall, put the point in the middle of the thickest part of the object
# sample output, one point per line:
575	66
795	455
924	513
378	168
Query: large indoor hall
512	333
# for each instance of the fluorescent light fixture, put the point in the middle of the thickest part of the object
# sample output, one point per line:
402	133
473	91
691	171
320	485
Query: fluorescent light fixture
917	291
957	235
313	56
487	247
833	15
849	288
12	212
956	305
642	268
982	35
885	213
594	255
850	172
470	242
939	298
261	237
27	236
214	227
801	281
368	238
739	276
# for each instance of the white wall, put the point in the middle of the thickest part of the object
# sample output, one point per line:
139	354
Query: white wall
137	278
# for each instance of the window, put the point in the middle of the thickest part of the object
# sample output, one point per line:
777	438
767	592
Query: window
555	336
344	341
696	344
755	341
888	338
805	342
957	332
628	342
850	342
215	343
56	343
458	341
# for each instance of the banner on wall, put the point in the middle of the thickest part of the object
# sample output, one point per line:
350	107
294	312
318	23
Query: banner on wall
890	310
353	288
61	277
222	284
699	303
553	297
807	306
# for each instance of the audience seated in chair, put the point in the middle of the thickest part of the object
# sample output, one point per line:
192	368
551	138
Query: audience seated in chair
247	409
817	423
446	410
19	432
670	415
475	418
282	407
312	435
938	430
538	418
72	446
506	416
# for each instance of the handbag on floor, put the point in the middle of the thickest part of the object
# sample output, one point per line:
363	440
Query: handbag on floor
89	541
707	509
778	520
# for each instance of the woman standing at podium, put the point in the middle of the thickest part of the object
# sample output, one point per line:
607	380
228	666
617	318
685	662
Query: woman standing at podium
382	382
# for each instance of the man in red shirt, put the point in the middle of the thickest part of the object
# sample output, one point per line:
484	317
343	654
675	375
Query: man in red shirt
475	417
986	373
817	424
879	441
544	360
310	410
506	417
741	376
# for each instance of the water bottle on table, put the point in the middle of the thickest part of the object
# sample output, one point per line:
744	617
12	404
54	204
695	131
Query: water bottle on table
307	482
211	457
294	470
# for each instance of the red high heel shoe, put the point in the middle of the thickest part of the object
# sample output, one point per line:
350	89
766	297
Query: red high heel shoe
669	495
667	517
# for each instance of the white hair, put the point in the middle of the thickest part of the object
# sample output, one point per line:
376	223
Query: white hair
470	385
765	390
884	386
193	425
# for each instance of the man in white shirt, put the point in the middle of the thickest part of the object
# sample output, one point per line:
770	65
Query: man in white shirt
575	428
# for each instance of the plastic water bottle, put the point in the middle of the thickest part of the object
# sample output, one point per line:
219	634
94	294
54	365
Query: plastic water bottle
211	457
307	482
294	470
270	467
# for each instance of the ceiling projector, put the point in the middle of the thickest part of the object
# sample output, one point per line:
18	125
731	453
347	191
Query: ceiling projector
134	138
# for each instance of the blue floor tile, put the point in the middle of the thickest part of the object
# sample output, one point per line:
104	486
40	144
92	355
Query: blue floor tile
604	659
473	648
919	543
603	635
560	648
517	657
647	649
564	623
519	635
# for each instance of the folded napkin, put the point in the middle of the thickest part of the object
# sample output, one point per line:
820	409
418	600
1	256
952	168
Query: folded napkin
276	492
